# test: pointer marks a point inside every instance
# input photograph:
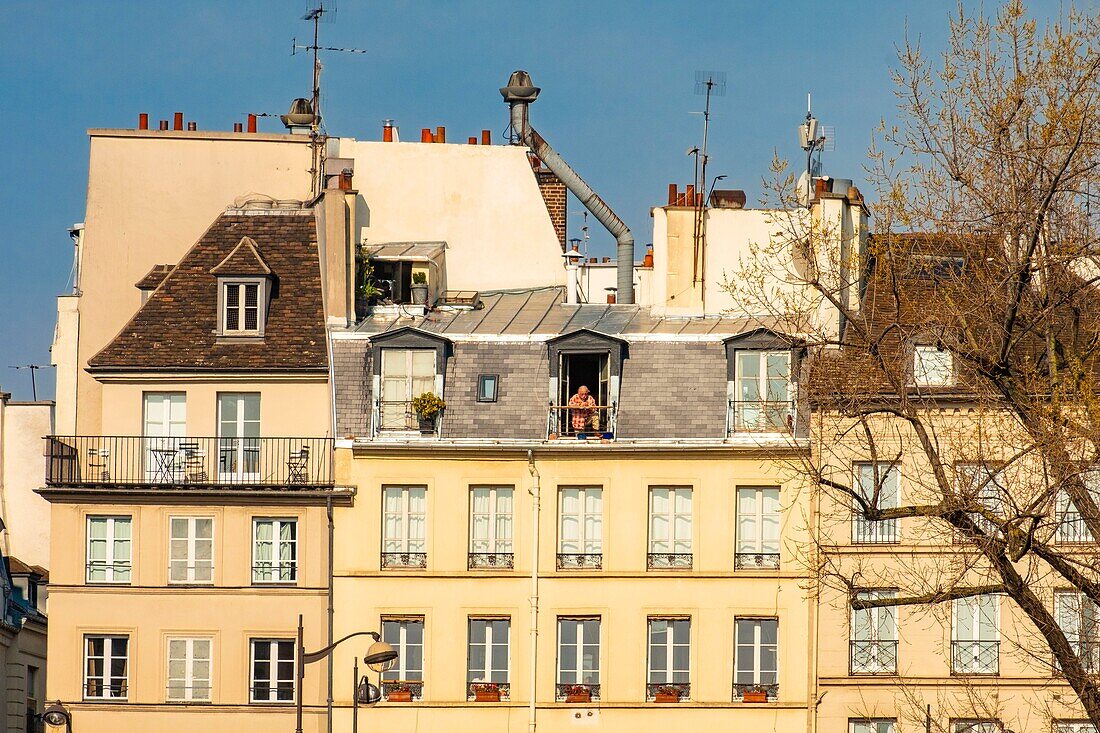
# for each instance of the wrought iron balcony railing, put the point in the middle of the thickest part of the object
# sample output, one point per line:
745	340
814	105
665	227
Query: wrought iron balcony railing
975	657
770	690
669	560
867	532
490	560
394	689
580	561
1072	529
488	691
399	415
97	690
129	460
873	656
577	691
756	561
573	422
655	691
397	560
762	416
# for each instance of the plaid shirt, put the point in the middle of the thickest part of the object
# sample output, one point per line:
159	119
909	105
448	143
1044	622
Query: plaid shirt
584	409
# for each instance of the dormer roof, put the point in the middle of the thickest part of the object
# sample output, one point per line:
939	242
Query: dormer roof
244	260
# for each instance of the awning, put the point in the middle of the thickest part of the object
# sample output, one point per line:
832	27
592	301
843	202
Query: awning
406	251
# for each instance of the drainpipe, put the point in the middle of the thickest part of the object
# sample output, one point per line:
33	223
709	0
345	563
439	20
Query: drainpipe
331	609
519	93
535	510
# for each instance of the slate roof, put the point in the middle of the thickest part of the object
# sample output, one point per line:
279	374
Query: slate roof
176	329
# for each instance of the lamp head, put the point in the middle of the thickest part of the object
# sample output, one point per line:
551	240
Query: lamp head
380	657
56	715
367	694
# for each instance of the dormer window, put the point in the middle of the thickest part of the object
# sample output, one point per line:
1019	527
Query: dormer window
242	307
761	376
932	367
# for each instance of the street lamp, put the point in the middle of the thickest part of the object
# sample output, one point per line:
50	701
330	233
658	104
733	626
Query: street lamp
57	715
379	655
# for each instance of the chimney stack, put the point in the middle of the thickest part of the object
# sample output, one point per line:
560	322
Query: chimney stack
177	121
486	137
192	126
143	121
426	135
238	127
441	134
252	123
673	192
164	125
387	131
472	141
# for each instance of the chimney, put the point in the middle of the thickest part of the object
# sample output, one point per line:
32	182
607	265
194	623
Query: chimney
177	121
163	124
192	126
238	127
143	121
553	195
673	192
573	259
426	135
611	298
647	261
441	134
387	131
472	140
689	195
486	137
252	123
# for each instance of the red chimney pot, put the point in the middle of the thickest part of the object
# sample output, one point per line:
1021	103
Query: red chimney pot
486	137
192	126
252	123
143	121
164	124
673	192
177	121
238	127
426	135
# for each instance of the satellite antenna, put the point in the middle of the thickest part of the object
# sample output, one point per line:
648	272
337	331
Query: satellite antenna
812	138
709	84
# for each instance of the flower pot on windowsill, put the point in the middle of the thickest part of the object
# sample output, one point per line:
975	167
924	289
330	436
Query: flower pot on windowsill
585	696
487	695
754	696
427	425
400	696
666	697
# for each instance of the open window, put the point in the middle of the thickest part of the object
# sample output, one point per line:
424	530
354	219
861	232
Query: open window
408	364
585	367
761	369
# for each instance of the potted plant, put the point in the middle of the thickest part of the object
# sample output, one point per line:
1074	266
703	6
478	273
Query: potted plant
756	694
399	692
420	288
486	692
427	406
578	693
366	292
667	693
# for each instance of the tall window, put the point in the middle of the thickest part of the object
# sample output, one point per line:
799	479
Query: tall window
580	536
932	367
189	669
763	391
406	636
872	725
1079	618
756	656
106	667
191	550
874	642
274	550
109	550
242	307
986	485
757	528
977	726
884	476
238	437
670	527
406	373
272	670
491	527
1074	726
487	654
1071	523
975	635
165	424
669	657
404	527
578	655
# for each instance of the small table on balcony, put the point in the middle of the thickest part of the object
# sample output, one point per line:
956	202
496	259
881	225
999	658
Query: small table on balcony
164	464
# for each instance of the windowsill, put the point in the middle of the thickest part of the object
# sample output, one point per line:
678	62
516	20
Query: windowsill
114	583
271	703
273	583
105	699
191	583
188	703
244	338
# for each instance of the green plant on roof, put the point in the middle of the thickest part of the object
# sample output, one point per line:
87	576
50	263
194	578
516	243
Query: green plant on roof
420	278
428	405
364	283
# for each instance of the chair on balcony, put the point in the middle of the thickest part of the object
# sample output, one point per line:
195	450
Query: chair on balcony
194	463
97	463
298	466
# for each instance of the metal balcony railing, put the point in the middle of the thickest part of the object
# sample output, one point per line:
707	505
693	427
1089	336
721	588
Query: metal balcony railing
1073	530
97	690
415	688
975	657
680	690
580	561
134	460
399	415
880	532
398	560
873	656
576	691
669	560
490	560
487	691
756	561
573	422
762	416
740	688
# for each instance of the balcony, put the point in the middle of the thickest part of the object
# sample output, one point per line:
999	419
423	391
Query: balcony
1072	529
873	657
404	560
975	657
398	416
761	416
669	560
581	423
148	462
756	561
667	691
576	692
490	561
580	561
881	532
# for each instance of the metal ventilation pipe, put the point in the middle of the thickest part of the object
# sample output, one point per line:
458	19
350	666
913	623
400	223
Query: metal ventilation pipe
519	94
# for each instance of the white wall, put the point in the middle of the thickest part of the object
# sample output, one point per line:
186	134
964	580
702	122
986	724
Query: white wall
22	470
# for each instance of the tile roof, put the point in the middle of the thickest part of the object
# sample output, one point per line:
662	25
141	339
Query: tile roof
176	329
243	260
153	278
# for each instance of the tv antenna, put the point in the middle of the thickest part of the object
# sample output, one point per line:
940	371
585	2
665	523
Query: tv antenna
709	84
33	368
814	139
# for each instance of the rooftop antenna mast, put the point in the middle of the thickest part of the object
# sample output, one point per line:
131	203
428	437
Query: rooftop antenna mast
33	368
709	84
813	143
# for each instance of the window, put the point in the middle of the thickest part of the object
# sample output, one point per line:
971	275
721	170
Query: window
669	657
491	527
404	520
191	550
977	726
189	670
109	549
487	656
1078	616
975	635
885	477
591	370
1071	524
1074	726
578	656
272	670
165	423
242	307
238	437
406	373
757	529
487	387
932	367
670	527
985	485
762	401
756	656
406	635
874	640
106	667
32	699
872	725
274	550
580	535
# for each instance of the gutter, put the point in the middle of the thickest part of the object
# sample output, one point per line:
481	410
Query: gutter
331	608
534	491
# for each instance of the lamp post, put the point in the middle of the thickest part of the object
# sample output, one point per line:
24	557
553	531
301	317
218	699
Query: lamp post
379	655
57	715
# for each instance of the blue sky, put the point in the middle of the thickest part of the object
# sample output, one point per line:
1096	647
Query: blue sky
617	79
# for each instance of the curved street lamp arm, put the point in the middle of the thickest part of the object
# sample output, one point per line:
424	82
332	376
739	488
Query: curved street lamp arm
311	657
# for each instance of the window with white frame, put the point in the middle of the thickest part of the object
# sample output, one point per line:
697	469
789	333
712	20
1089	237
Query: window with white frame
191	550
243	305
985	485
110	550
1074	726
404	526
274	550
406	374
763	391
406	635
490	525
669	658
106	667
273	672
165	424
932	367
757	528
189	669
975	635
884	477
578	653
580	532
1072	527
1079	618
487	651
872	725
238	437
670	538
756	657
874	636
977	726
